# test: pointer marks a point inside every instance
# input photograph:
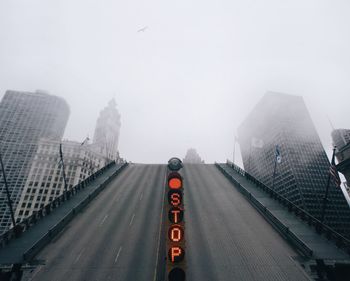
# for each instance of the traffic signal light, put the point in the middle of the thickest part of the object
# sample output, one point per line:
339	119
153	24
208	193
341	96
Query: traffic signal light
174	181
175	225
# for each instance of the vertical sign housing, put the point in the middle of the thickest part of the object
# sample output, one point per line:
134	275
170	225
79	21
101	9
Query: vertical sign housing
175	225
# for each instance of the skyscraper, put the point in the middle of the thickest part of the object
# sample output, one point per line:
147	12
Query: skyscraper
192	157
106	136
341	139
280	128
25	117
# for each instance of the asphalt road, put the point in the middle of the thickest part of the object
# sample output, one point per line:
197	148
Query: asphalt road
116	237
226	238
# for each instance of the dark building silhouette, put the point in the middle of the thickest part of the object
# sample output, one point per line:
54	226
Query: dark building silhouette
283	120
25	117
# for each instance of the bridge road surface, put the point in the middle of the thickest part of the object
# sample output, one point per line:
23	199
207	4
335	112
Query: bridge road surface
226	238
115	237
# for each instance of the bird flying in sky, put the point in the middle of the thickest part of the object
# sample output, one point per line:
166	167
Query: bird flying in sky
143	29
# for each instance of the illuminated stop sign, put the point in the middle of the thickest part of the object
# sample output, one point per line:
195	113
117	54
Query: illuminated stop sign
176	244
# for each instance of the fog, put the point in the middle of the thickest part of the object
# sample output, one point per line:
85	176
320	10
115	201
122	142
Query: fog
190	77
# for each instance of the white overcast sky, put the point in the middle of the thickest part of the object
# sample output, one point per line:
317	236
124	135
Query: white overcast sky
191	77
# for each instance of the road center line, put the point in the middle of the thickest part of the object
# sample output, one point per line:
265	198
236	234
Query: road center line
78	257
141	196
106	216
116	258
132	219
160	230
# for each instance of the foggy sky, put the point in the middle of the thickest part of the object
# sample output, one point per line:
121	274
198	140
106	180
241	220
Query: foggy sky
191	77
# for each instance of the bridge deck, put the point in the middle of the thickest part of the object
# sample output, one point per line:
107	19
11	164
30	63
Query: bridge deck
117	236
227	238
14	250
321	247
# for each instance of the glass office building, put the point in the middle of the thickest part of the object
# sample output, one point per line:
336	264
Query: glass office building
25	117
280	124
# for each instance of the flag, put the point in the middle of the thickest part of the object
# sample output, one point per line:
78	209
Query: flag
333	171
85	141
259	143
278	155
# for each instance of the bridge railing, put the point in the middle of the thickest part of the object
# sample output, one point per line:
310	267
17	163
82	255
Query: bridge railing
321	228
283	229
32	220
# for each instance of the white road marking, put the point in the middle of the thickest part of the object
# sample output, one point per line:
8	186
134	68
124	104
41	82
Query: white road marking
78	257
116	258
160	228
132	219
141	196
106	216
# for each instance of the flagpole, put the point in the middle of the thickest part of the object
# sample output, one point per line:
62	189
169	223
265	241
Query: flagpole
325	197
274	174
63	170
250	152
7	192
234	150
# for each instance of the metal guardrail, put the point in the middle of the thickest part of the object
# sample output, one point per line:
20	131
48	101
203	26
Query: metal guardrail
52	232
30	221
322	229
284	230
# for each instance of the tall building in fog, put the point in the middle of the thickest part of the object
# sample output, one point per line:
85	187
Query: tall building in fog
25	117
192	157
106	136
341	139
301	176
45	179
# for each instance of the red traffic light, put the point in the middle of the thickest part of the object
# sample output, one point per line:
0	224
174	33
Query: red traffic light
174	180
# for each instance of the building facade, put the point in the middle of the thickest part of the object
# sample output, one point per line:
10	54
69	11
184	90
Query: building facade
25	117
280	125
341	140
45	180
107	130
192	157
